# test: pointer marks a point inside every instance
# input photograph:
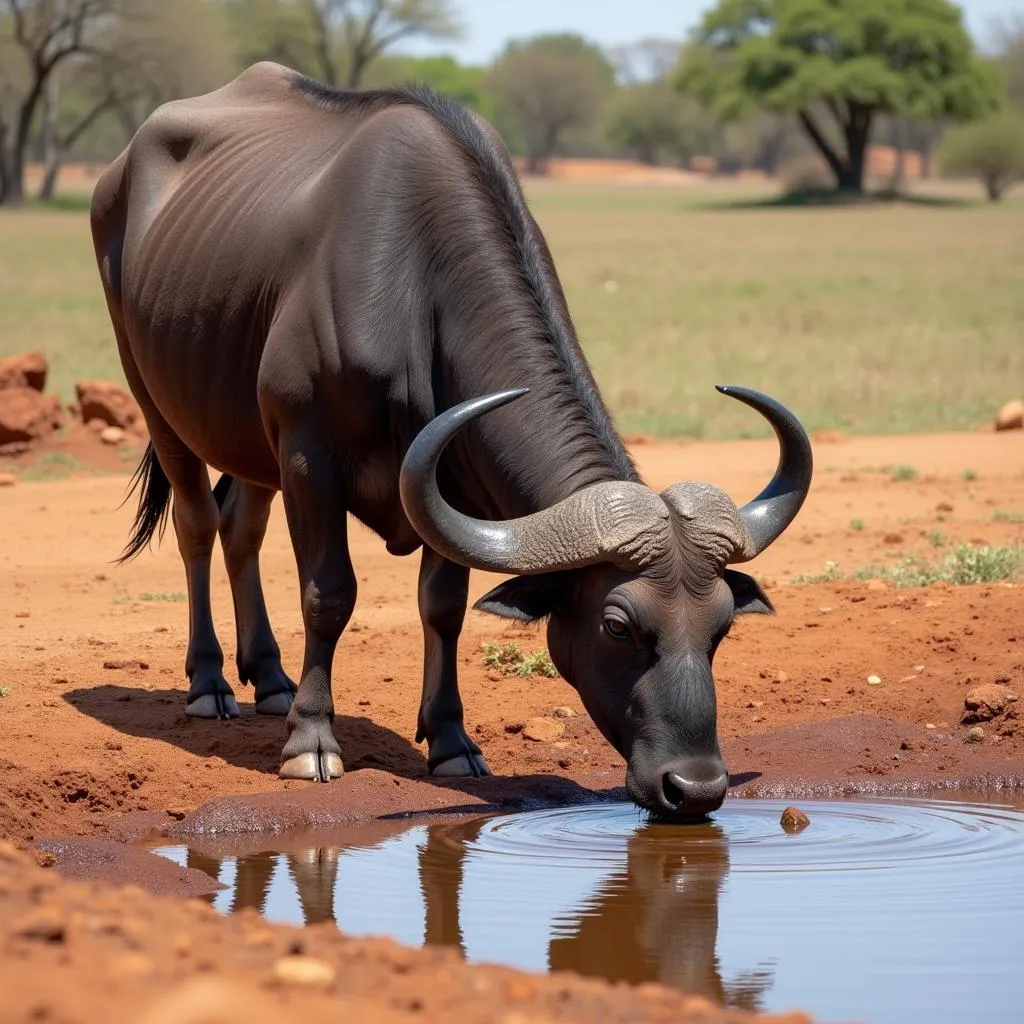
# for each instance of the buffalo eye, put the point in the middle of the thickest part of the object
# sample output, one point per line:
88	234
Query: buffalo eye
616	627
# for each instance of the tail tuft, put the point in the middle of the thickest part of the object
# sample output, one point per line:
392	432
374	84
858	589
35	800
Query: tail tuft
154	503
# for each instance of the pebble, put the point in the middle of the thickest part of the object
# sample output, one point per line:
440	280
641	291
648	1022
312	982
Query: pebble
874	680
794	820
543	730
134	965
919	669
1010	415
8	479
111	435
564	712
975	734
303	970
781	677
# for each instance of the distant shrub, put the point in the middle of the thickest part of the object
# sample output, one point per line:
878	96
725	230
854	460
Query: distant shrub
991	149
807	173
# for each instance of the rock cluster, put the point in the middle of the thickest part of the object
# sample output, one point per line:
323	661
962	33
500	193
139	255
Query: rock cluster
28	415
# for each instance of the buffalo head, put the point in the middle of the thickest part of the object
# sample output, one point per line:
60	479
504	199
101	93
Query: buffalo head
636	590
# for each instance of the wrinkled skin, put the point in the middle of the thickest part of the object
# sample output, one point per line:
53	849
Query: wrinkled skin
639	648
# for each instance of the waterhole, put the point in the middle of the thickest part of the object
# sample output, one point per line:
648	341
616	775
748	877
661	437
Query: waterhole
875	912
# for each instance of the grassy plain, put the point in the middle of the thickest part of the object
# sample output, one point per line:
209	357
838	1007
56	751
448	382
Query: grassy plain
876	318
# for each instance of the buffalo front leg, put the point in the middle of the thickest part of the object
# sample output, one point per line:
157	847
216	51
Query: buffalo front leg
244	513
314	503
443	591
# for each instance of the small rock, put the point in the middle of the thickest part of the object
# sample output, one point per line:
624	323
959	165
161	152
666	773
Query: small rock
1010	415
919	669
44	924
755	704
874	680
27	415
893	538
26	370
781	677
975	734
943	506
985	702
107	401
112	435
877	585
8	479
564	712
543	730
929	725
134	965
794	820
303	970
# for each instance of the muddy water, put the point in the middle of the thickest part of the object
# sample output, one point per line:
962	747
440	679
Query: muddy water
875	912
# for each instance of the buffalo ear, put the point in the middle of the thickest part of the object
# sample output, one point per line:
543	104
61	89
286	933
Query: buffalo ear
526	598
747	594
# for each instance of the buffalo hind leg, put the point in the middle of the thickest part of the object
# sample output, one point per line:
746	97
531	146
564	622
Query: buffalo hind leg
244	513
314	502
443	592
195	516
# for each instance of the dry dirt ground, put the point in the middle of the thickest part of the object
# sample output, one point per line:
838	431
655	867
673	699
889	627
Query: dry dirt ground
94	742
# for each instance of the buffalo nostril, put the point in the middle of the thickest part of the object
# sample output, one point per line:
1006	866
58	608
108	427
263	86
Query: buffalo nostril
673	790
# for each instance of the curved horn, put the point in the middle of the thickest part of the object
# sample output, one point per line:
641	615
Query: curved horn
619	521
767	515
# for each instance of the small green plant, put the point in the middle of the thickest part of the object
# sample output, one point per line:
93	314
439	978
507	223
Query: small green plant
1007	515
985	564
51	466
857	525
510	660
903	473
969	474
162	597
830	574
937	539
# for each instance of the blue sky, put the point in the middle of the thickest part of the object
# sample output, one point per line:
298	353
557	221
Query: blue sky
491	23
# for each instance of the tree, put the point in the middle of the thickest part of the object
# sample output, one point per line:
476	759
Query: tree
651	120
154	51
546	86
991	149
837	64
361	30
39	36
1010	55
442	74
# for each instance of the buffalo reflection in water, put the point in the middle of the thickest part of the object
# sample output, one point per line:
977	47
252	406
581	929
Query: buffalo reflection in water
653	919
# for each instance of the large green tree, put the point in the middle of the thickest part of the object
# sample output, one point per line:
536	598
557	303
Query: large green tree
837	64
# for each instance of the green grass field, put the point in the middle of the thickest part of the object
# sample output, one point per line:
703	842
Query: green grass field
878	318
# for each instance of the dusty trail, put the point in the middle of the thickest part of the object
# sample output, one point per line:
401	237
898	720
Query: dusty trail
95	742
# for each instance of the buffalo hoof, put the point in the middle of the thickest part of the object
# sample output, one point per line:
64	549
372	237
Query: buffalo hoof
463	766
213	705
319	767
275	704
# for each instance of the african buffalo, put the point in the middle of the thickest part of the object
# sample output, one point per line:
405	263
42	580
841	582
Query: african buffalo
319	292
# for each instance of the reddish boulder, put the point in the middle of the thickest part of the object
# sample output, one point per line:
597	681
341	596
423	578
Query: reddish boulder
27	370
1011	415
26	415
109	402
